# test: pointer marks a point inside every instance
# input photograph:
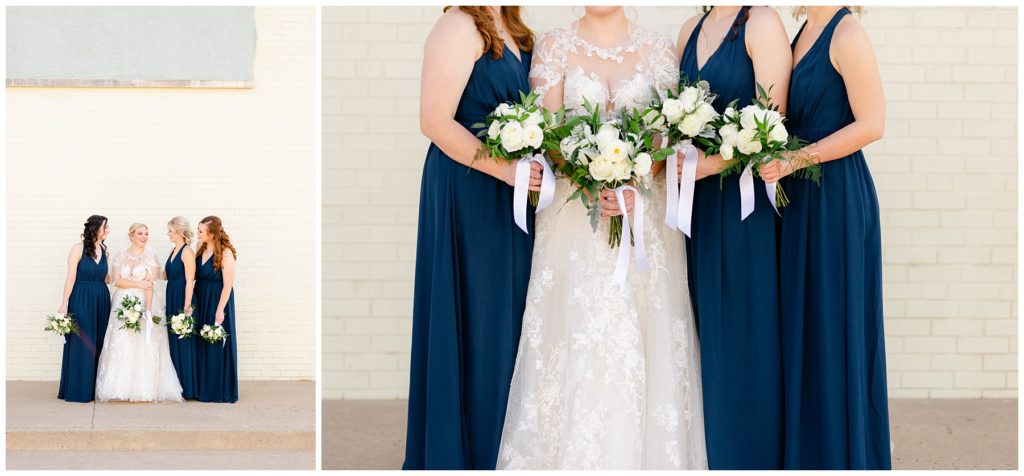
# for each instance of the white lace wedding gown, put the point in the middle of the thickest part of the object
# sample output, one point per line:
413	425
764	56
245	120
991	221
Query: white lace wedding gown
129	368
605	377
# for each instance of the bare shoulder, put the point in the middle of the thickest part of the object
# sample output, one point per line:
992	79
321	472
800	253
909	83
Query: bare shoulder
686	30
455	24
765	21
850	33
188	252
76	248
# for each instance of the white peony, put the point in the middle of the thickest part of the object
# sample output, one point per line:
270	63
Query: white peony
494	130
726	151
605	135
689	99
617	150
533	136
643	163
601	169
512	137
747	143
673	110
691	125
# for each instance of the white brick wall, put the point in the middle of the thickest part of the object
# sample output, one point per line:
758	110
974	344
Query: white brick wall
949	222
245	155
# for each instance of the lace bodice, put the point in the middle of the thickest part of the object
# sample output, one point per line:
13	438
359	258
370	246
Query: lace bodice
616	78
135	268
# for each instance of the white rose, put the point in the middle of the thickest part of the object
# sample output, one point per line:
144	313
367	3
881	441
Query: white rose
512	136
747	143
534	119
533	136
504	109
643	163
748	114
726	151
133	319
779	133
691	125
622	170
773	117
689	98
654	120
729	112
494	130
729	133
706	113
601	169
673	110
587	155
138	307
567	146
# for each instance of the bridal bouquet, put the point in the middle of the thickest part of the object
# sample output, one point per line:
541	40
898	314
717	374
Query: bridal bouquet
610	154
519	132
753	136
685	118
130	313
61	324
182	325
213	334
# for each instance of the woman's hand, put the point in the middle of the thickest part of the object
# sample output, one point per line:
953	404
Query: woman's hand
187	309
707	165
145	284
776	169
536	175
610	203
63	309
218	318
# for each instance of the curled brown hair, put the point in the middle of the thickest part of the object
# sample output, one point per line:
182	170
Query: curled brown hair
514	24
220	240
802	11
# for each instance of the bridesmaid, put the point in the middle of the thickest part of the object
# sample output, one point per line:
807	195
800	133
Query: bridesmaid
214	302
830	247
180	273
472	262
732	263
87	299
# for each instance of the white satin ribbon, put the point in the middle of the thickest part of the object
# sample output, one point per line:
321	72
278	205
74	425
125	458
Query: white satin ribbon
747	193
148	324
679	194
522	188
62	339
622	267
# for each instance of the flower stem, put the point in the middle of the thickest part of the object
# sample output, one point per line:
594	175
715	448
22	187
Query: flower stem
534	198
615	231
781	199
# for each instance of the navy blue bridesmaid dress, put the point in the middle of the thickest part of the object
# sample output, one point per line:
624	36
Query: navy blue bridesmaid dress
216	364
183	351
732	273
472	271
89	305
837	413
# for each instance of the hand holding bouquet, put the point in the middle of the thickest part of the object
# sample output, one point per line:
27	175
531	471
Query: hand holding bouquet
130	313
685	118
61	324
751	137
182	325
519	133
213	334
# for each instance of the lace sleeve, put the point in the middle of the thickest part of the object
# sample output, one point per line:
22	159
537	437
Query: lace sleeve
114	269
548	66
153	266
663	66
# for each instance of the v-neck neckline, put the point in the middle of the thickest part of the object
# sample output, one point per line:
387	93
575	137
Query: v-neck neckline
206	260
721	43
817	40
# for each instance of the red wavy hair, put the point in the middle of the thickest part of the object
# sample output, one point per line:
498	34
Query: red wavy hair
220	240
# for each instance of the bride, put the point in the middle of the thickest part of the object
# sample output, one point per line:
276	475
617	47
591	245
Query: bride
131	367
606	377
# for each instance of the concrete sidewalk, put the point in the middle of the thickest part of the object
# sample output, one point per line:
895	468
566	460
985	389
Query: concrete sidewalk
272	426
929	434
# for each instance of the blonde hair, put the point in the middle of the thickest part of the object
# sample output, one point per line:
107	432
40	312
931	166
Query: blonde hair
802	11
180	225
136	226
